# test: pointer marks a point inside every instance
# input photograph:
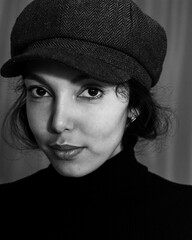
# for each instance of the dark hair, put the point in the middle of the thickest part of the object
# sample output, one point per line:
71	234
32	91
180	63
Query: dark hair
17	123
152	121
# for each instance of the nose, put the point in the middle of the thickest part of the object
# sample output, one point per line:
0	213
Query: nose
62	117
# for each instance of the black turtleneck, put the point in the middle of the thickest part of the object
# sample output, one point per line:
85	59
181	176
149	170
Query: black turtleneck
119	200
121	167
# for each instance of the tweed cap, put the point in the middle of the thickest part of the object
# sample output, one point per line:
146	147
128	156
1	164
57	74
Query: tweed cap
111	40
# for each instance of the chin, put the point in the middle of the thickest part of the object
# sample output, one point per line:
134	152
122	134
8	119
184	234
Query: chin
70	170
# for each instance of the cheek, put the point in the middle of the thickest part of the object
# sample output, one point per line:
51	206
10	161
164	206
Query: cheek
37	119
106	122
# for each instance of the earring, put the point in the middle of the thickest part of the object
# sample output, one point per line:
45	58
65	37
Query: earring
133	118
134	114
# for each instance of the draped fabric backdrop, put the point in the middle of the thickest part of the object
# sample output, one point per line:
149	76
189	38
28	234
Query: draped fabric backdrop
173	159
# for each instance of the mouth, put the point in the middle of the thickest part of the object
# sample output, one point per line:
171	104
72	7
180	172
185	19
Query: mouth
66	152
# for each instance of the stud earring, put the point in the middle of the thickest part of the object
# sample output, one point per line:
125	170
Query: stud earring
133	118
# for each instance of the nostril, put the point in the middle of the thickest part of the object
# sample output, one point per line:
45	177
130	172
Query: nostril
61	125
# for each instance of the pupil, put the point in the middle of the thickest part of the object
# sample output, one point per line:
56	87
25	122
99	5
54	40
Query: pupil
93	91
40	91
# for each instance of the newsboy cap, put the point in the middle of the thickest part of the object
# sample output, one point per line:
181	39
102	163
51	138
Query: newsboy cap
110	40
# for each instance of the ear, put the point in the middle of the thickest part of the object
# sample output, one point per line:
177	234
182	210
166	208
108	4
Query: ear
133	114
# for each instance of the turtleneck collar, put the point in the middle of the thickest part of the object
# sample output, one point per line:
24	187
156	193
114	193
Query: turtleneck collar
117	175
124	160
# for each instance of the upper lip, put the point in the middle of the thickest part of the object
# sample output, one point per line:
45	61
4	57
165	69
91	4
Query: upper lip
64	147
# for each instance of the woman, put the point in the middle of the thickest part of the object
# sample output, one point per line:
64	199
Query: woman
86	70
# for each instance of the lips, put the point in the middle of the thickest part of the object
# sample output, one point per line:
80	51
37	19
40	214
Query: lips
66	152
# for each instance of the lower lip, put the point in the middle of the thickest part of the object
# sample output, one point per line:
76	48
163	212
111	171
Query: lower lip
67	155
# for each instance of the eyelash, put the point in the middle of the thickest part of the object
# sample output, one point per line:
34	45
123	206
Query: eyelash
30	90
98	96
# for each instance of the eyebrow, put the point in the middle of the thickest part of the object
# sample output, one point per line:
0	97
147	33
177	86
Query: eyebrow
33	76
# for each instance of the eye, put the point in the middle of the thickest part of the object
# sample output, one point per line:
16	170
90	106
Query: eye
92	93
38	92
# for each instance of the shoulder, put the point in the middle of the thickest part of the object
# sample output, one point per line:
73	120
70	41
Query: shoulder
157	187
159	190
34	180
169	206
24	195
161	186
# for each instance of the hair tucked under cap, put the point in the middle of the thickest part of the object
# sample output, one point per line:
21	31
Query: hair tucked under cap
111	40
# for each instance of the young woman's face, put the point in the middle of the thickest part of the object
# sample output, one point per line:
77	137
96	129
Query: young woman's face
78	122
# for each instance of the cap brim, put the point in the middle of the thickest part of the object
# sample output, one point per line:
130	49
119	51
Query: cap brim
107	65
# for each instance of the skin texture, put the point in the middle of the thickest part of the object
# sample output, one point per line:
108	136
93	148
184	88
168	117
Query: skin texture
65	106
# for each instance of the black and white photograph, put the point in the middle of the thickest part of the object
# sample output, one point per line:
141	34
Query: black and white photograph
96	119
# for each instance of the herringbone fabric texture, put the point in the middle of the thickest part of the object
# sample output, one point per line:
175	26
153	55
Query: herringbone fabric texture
111	40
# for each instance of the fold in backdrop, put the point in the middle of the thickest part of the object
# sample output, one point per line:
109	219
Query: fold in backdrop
171	159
